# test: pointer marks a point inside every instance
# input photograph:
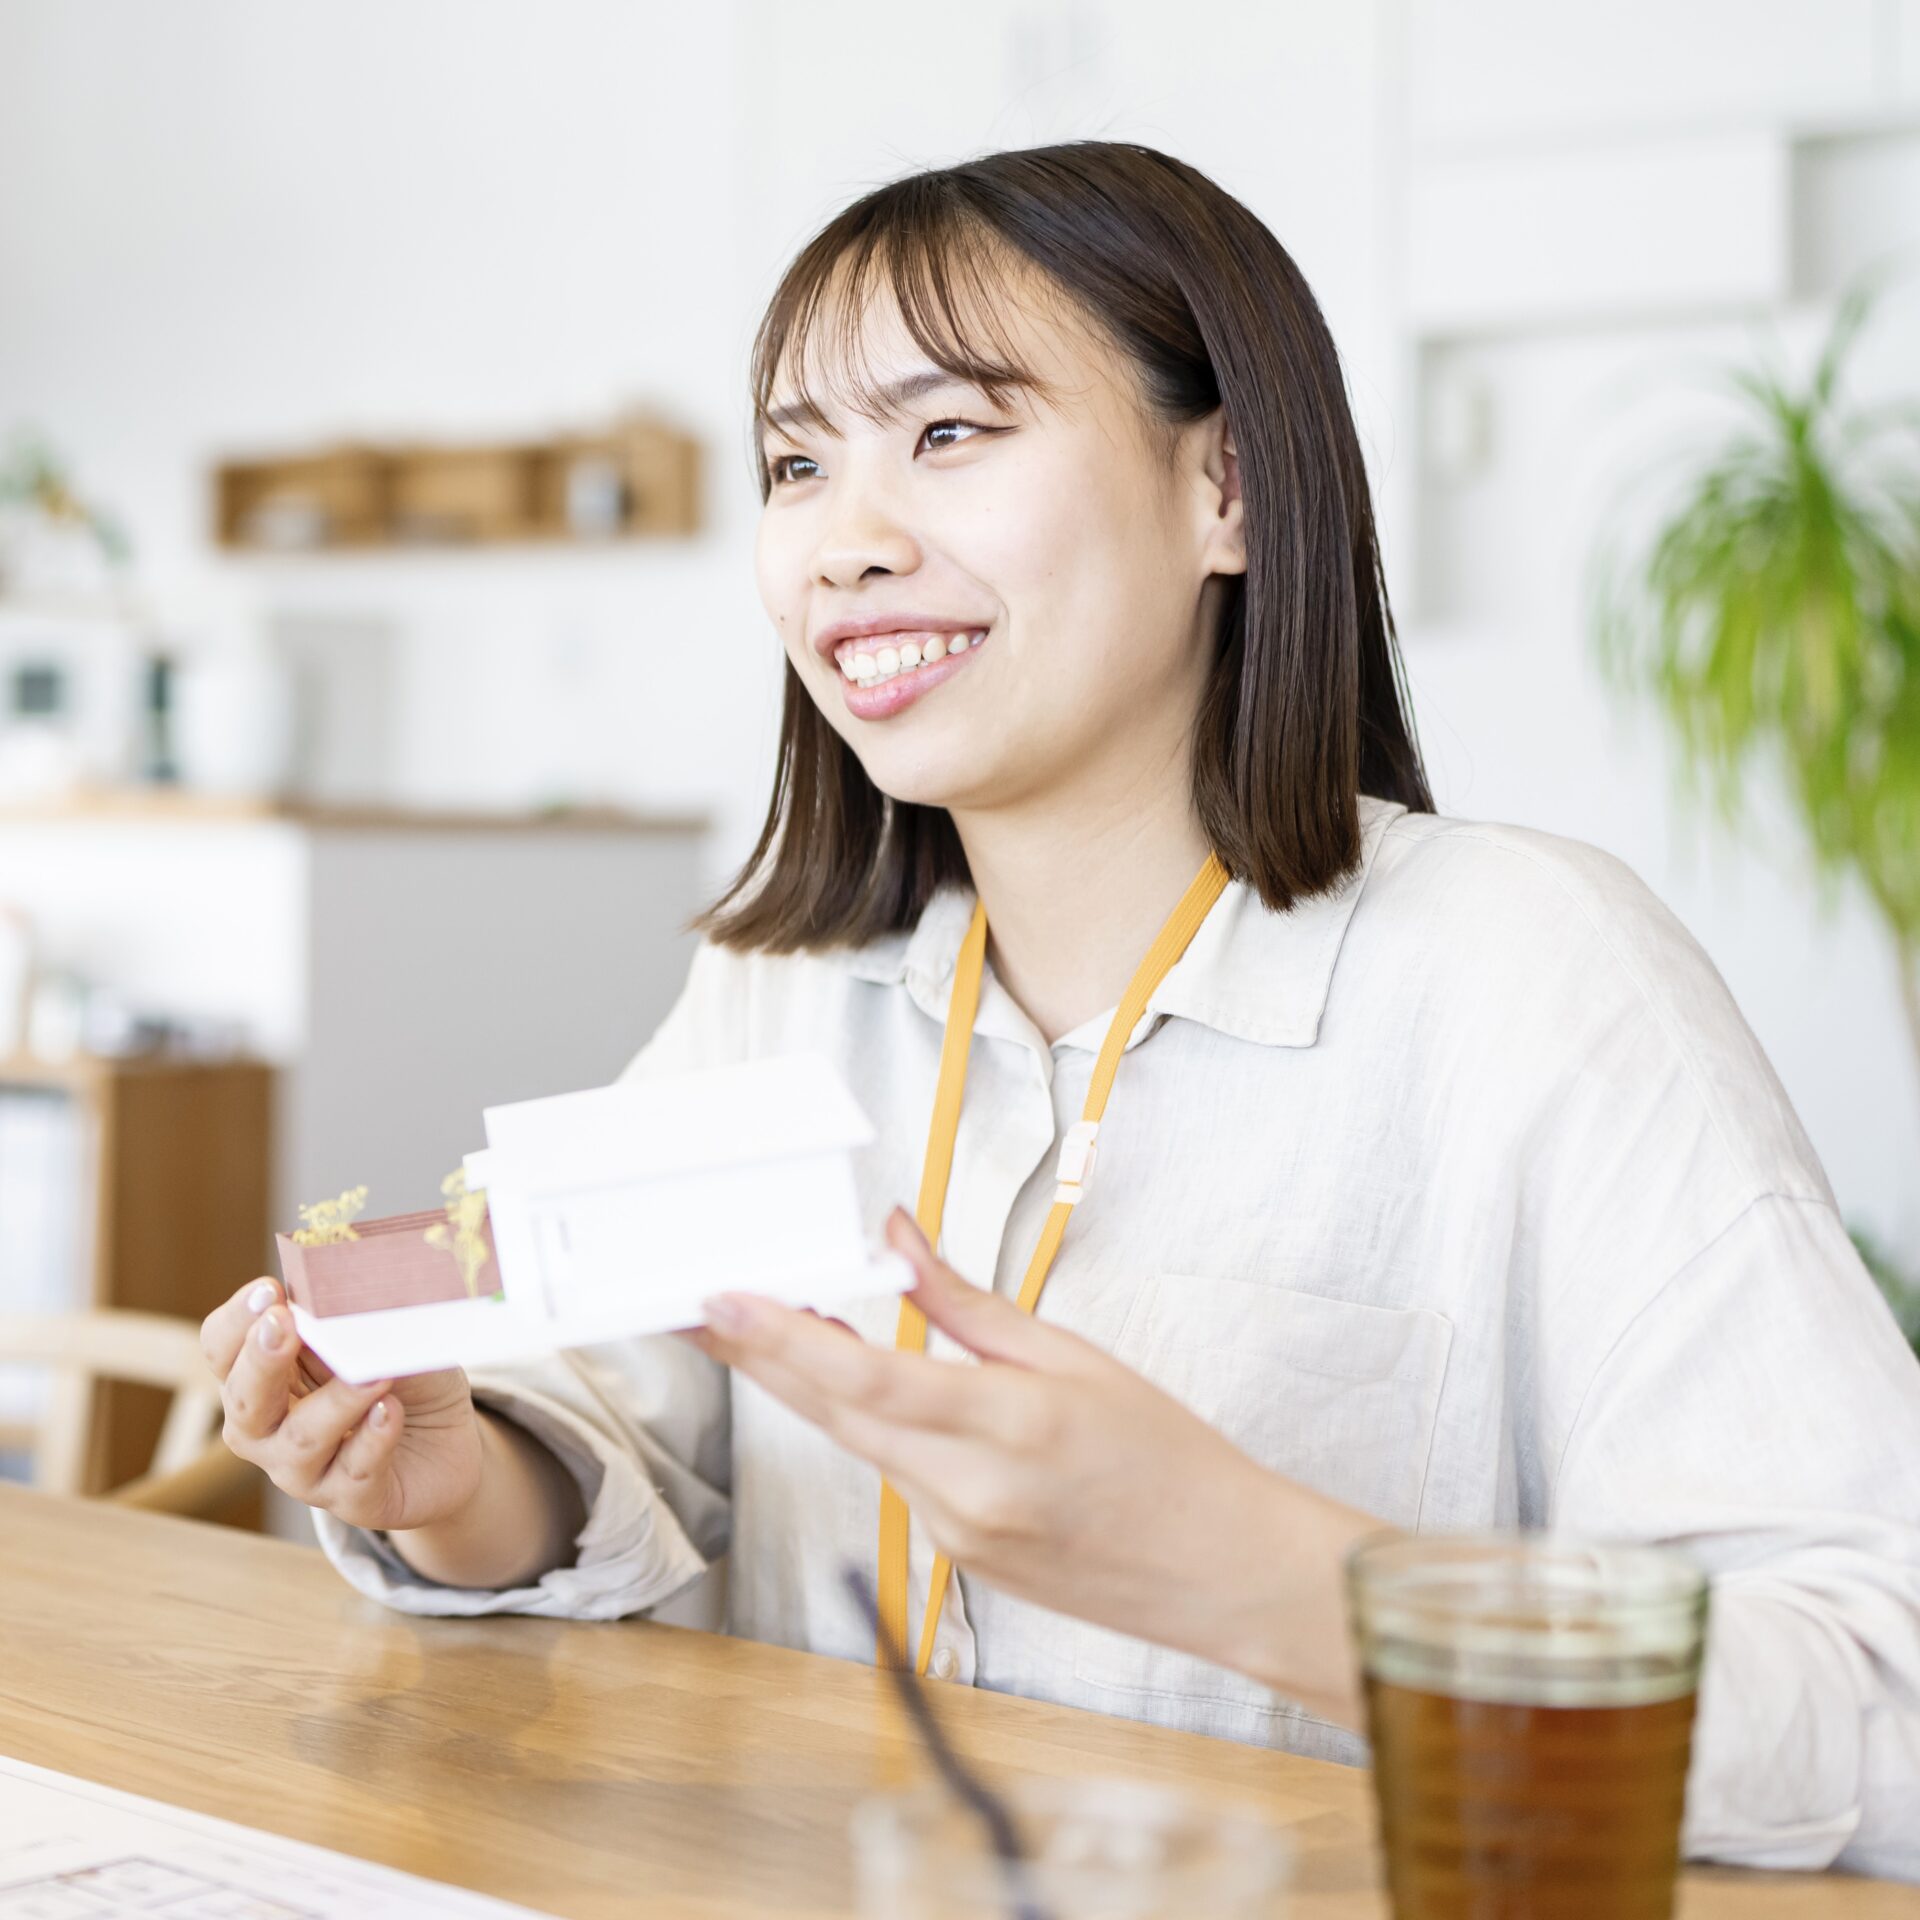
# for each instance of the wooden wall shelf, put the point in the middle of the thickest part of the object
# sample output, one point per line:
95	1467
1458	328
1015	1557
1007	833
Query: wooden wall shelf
641	478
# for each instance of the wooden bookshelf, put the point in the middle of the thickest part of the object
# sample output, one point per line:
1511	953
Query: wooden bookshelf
176	1204
640	478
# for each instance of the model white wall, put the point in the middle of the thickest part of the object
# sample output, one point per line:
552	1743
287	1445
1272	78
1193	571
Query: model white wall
226	226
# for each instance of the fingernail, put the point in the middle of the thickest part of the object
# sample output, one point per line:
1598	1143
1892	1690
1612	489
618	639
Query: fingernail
379	1416
270	1334
727	1314
900	1221
262	1297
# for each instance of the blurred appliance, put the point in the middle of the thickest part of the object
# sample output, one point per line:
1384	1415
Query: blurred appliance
71	695
340	676
233	720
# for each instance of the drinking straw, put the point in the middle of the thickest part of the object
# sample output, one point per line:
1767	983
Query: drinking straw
966	1785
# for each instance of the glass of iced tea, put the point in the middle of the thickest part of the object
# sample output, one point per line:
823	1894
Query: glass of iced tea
1530	1704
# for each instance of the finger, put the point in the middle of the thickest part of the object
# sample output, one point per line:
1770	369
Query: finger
931	1468
360	1464
310	1436
702	1338
828	1319
788	1388
851	1426
917	1460
227	1326
314	1372
260	1383
977	1317
818	1368
933	1472
224	1331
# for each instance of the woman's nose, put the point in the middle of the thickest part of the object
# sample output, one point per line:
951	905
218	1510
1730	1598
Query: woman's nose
861	538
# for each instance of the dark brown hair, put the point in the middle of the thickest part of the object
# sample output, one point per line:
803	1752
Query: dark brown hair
1305	709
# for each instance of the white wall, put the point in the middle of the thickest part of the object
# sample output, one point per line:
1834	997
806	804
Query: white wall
1603	208
226	226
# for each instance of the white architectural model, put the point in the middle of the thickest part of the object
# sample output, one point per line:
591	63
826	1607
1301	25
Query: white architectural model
618	1212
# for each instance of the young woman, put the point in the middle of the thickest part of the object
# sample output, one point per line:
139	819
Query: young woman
1440	1184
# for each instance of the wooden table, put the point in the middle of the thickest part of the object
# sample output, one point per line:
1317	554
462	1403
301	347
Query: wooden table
589	1770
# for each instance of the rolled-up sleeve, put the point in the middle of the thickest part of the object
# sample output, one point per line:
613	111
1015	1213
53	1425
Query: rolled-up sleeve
1762	1412
642	1425
642	1428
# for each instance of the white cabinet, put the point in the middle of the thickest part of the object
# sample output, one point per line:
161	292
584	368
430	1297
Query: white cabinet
401	970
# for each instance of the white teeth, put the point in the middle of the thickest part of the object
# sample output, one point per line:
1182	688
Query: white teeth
884	663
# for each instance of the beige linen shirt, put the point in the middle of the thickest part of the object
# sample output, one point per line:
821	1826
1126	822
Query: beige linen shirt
1463	1194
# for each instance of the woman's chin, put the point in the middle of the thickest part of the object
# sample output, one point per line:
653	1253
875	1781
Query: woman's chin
927	780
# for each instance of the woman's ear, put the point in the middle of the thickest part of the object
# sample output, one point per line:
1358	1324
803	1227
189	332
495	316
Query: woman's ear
1223	534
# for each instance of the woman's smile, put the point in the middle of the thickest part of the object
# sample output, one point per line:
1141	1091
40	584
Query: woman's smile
888	672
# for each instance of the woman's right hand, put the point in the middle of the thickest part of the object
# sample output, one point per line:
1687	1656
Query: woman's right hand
390	1455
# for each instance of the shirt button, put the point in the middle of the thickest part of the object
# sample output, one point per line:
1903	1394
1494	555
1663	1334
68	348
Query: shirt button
946	1663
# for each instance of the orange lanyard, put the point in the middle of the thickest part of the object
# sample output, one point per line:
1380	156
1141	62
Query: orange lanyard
1076	1163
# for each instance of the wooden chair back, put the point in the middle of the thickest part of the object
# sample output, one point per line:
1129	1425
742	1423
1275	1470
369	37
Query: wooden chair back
82	1350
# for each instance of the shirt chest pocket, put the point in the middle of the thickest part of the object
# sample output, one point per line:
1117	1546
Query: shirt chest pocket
1340	1395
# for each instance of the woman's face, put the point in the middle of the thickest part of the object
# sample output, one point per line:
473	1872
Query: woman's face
1046	563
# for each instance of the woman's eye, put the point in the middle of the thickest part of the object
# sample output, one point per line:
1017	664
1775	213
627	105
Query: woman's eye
938	427
784	469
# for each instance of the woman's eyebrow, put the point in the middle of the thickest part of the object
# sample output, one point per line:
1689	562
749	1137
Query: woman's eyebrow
896	394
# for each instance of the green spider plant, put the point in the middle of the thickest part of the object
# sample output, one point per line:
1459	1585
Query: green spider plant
1773	615
32	476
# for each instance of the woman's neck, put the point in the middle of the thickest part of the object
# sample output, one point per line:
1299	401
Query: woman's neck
1073	903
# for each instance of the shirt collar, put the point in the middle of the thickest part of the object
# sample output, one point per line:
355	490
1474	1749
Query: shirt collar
1249	972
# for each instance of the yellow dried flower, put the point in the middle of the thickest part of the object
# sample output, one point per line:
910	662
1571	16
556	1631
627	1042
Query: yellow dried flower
331	1220
462	1233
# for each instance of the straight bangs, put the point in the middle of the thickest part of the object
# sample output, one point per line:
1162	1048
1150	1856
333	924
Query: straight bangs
947	274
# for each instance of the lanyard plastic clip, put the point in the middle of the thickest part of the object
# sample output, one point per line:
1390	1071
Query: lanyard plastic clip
1076	1162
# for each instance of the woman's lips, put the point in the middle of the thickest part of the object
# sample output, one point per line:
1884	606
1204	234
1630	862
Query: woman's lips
881	699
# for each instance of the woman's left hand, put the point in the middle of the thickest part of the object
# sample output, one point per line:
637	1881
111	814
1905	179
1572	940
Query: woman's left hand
1064	1478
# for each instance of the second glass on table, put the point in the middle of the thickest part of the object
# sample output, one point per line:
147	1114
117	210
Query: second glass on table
1530	1703
1087	1849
